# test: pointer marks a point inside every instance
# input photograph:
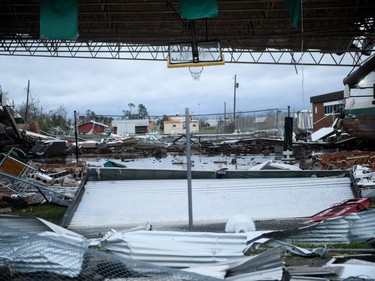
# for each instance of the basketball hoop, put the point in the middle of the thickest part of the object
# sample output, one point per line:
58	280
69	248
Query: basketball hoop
196	71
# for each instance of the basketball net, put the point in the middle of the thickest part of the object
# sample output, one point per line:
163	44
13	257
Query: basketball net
195	72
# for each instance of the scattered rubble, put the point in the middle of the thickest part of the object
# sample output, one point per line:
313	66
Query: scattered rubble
347	159
280	261
24	182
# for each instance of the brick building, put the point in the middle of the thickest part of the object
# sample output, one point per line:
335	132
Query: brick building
326	108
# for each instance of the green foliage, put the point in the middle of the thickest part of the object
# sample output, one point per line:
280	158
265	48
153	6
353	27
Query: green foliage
334	249
351	245
32	111
49	212
142	111
127	114
55	121
90	115
141	114
161	122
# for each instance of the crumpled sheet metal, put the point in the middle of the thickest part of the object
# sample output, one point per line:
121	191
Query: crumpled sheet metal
356	227
353	266
265	266
25	256
175	248
33	253
253	246
218	255
362	226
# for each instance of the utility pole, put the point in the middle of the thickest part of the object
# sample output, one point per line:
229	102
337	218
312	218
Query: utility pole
76	135
225	116
236	85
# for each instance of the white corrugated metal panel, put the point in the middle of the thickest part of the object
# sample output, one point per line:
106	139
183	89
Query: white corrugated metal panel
176	249
327	231
121	204
212	254
362	226
267	275
356	227
265	266
355	271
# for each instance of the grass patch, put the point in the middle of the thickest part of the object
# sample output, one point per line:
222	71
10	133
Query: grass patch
208	131
340	248
49	212
333	249
352	245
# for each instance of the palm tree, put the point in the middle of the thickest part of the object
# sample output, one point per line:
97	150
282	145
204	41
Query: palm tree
131	105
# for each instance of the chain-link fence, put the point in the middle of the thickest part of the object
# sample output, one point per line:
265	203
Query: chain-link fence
269	121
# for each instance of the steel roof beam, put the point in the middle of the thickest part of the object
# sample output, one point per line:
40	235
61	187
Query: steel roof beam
102	50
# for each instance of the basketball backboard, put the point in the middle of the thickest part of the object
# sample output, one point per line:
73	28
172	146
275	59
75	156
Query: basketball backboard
207	53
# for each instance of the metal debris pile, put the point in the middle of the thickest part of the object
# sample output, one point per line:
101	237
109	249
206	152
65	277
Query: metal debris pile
46	251
24	182
62	255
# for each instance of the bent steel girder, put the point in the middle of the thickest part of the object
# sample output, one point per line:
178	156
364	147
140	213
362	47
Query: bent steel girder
20	46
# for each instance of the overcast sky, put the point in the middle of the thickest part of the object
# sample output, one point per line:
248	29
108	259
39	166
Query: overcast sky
108	86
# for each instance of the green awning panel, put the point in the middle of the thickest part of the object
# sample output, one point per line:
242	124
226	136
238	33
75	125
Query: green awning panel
198	9
58	19
294	8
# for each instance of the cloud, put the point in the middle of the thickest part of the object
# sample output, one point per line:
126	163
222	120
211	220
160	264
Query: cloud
108	86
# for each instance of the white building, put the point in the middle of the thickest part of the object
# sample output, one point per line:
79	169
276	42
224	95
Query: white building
176	125
212	122
130	126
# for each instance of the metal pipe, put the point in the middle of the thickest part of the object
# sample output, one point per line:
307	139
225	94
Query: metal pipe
188	168
194	44
234	102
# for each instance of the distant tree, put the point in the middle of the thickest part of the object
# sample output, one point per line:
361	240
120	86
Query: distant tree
161	124
32	110
142	112
58	120
53	122
61	111
126	114
90	115
131	106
